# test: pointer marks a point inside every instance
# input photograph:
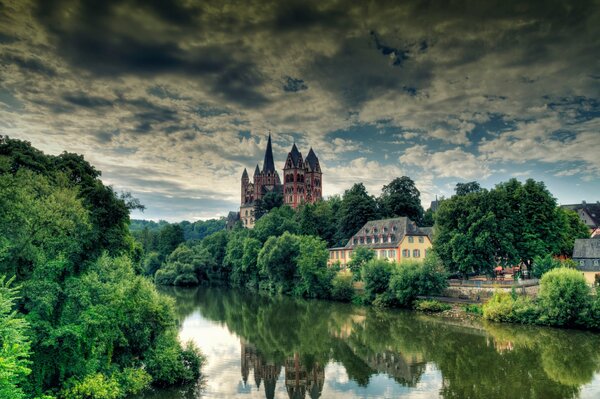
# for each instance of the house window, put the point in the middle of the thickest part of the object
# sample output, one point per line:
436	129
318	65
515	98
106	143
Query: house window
362	240
382	253
374	230
349	254
581	263
385	229
331	255
368	240
376	240
421	239
595	262
406	253
337	255
343	255
416	253
392	253
355	241
411	239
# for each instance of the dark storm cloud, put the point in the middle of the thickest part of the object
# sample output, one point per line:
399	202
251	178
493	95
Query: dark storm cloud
92	40
292	15
31	64
83	100
398	56
293	85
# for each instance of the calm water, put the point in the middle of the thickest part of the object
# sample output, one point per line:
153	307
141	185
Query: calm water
259	347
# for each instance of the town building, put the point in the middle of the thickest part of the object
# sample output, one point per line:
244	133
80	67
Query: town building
303	182
394	239
586	254
589	214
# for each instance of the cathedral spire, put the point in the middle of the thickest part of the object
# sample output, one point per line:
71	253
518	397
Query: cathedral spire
245	174
256	171
269	164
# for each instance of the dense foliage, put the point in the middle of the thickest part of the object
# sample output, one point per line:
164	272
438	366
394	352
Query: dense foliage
512	224
95	325
564	300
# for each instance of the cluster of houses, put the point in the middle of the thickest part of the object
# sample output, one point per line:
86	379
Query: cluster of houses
587	251
399	239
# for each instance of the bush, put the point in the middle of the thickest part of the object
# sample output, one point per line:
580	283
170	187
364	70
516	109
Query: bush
169	364
431	306
376	275
473	309
342	288
504	307
404	283
564	298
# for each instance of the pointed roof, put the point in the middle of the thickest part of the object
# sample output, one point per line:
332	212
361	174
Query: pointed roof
257	171
245	174
312	160
269	164
296	155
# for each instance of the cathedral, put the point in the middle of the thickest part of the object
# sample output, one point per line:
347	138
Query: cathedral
302	182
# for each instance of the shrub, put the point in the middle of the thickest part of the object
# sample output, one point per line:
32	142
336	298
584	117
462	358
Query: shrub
404	283
376	275
94	386
431	306
543	265
473	309
504	307
564	297
360	256
342	287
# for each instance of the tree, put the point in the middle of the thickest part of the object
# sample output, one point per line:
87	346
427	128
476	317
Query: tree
269	201
14	344
360	256
401	198
376	274
467	188
275	223
169	238
357	208
315	276
277	262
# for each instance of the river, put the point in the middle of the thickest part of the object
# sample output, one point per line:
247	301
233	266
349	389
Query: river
263	347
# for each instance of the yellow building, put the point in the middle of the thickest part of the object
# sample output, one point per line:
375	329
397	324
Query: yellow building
395	239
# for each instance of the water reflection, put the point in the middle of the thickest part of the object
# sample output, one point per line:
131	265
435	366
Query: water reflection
297	349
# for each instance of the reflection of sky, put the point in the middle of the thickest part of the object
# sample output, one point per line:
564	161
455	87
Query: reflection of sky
591	390
338	385
223	377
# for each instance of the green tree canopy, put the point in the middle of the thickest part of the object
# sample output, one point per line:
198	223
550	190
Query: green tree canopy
401	198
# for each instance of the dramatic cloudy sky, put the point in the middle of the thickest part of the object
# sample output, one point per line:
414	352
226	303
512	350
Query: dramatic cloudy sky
172	99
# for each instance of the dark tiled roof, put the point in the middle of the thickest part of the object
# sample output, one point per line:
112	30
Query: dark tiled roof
296	156
587	248
593	211
312	161
397	228
269	164
428	231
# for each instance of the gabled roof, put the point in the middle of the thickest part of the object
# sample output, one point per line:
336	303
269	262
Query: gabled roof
269	164
592	210
312	161
396	228
587	248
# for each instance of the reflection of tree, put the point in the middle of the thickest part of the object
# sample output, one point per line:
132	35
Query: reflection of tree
491	361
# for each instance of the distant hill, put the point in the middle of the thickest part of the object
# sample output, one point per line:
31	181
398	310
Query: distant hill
191	230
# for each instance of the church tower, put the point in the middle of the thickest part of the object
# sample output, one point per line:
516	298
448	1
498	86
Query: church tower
293	180
313	178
